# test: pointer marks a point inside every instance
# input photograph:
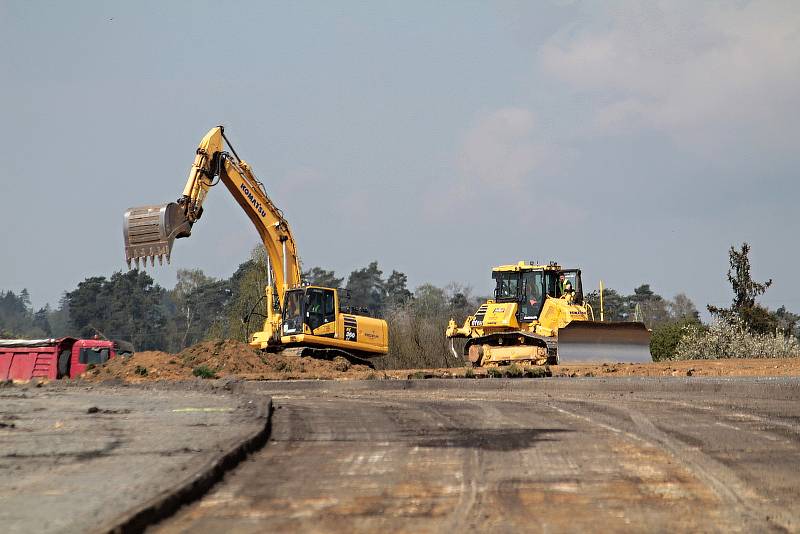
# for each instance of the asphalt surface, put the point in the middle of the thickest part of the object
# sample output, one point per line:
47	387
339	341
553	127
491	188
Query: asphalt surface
81	459
546	455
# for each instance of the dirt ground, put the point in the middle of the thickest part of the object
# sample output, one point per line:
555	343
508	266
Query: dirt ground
732	367
229	358
220	359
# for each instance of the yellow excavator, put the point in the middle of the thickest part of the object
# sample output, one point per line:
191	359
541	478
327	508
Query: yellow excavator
539	316
311	320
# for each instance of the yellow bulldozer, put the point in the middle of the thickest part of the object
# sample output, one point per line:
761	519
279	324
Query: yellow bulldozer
311	320
539	316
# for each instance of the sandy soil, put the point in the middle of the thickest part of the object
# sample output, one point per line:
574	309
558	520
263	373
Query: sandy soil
235	359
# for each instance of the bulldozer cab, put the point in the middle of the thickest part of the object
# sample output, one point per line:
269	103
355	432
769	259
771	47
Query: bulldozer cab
529	287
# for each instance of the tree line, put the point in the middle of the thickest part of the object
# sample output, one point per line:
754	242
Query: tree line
130	306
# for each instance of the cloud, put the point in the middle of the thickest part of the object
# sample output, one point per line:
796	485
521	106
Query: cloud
708	72
501	148
504	158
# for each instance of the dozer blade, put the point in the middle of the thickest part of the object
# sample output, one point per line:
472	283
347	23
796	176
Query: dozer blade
608	342
149	232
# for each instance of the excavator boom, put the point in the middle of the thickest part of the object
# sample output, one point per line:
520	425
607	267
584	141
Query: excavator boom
317	322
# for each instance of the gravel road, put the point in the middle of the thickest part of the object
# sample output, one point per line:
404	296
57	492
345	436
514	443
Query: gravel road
548	455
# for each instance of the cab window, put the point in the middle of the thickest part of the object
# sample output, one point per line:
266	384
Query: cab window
293	312
320	307
93	355
507	285
551	284
532	300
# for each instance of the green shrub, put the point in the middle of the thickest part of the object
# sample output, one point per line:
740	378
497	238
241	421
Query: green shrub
494	372
665	339
469	373
204	371
141	371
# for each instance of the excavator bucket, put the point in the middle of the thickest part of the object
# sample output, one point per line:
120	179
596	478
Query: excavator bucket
150	231
608	342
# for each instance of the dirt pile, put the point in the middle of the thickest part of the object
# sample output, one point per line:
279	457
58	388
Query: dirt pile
225	358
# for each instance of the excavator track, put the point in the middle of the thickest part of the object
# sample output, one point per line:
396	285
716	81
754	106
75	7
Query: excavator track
321	354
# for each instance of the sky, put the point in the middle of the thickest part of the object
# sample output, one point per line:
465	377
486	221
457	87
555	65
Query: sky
637	141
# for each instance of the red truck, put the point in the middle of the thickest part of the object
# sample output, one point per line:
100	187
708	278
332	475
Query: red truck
66	357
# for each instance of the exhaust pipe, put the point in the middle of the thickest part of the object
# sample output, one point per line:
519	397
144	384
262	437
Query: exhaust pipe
150	231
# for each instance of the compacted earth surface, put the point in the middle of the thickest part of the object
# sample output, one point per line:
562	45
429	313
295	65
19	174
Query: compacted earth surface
79	457
501	455
617	454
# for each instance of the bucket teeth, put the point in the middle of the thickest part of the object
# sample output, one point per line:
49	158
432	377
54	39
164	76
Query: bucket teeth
150	231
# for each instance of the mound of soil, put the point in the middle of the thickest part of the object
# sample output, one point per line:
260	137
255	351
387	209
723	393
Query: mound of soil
225	358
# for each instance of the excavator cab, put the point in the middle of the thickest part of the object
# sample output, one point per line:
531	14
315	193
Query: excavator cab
312	316
311	307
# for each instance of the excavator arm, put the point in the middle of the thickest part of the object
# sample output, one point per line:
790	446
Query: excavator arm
150	231
324	330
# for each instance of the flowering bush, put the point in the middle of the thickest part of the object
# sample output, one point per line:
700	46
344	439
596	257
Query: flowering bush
730	338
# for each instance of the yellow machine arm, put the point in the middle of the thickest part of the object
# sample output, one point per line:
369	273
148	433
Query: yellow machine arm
313	315
151	230
212	161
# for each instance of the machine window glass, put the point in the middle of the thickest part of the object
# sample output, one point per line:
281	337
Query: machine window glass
532	300
507	285
93	355
571	278
293	312
551	284
321	307
575	281
329	306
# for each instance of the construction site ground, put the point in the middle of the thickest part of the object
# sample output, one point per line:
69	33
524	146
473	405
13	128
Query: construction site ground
552	455
146	441
83	457
236	359
498	455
